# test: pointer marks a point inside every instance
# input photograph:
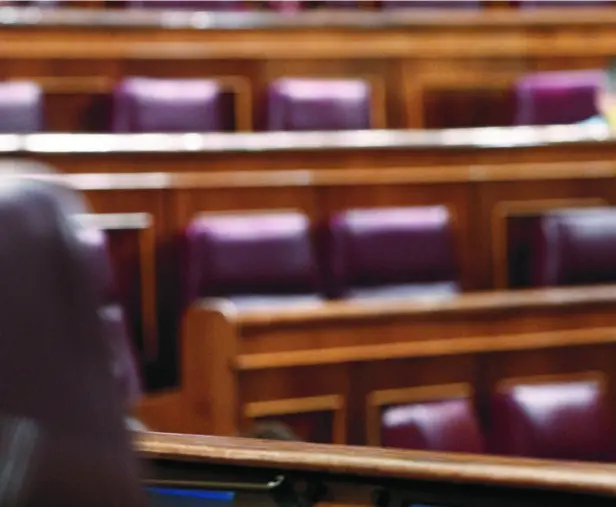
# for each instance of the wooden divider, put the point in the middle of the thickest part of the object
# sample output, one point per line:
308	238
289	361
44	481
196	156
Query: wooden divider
440	69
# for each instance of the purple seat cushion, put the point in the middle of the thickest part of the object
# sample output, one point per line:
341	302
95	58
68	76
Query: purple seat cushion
319	104
442	425
575	247
567	420
249	255
391	248
557	97
169	105
21	107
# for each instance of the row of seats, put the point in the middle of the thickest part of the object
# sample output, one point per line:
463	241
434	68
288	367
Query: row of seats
141	104
272	258
299	5
205	105
277	258
570	420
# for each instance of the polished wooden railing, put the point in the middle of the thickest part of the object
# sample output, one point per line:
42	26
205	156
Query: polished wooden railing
297	474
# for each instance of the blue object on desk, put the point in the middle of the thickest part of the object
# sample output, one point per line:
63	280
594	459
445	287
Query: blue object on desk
176	497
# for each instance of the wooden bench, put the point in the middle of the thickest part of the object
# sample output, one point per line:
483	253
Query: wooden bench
336	362
277	473
438	69
168	153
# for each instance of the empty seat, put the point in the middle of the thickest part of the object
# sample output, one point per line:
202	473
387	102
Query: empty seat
255	259
170	105
61	413
447	425
575	247
21	107
390	252
560	420
560	97
319	104
192	5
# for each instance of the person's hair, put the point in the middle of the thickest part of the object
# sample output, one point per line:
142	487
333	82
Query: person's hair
273	431
610	76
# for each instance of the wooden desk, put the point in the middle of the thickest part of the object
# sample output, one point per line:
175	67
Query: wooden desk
334	363
374	150
359	476
437	69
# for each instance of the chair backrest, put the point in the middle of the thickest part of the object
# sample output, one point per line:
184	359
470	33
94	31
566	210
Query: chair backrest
21	107
411	248
448	425
62	414
575	247
142	104
302	104
556	97
557	420
249	254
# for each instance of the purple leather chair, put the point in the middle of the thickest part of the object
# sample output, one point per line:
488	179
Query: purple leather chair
255	260
197	5
427	4
143	104
390	252
559	97
575	247
448	425
21	107
319	104
62	428
565	420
